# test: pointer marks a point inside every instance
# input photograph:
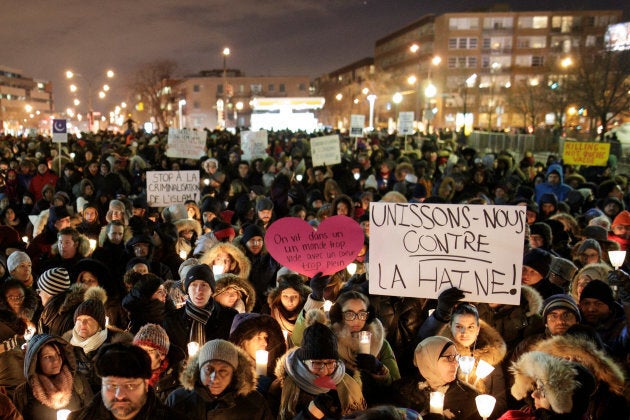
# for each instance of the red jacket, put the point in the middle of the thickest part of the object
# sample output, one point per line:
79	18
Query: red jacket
39	181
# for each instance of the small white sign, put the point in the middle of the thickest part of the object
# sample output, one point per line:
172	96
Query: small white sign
172	187
325	150
254	144
357	125
185	143
419	250
405	123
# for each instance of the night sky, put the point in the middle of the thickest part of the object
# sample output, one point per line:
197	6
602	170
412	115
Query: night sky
267	37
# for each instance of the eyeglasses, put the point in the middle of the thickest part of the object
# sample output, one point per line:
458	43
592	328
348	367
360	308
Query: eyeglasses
130	387
593	255
565	316
451	357
351	316
50	358
256	241
319	366
15	298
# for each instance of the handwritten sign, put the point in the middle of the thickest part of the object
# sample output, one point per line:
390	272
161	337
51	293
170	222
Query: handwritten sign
357	125
325	150
172	187
254	144
328	248
419	250
586	153
405	123
185	143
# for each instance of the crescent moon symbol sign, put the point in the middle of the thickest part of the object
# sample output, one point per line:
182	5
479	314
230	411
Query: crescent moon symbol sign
59	126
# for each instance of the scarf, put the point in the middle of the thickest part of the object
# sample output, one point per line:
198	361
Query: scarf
90	343
53	391
155	375
285	318
297	370
200	317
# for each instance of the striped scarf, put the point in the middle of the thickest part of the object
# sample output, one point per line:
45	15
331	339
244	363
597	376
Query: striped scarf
200	317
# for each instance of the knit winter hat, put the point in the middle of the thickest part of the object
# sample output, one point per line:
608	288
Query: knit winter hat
543	230
539	260
54	281
622	218
55	214
93	308
595	232
264	204
154	336
318	343
563	268
561	301
590	244
251	231
148	285
16	258
123	361
199	272
218	350
549	198
597	289
187	265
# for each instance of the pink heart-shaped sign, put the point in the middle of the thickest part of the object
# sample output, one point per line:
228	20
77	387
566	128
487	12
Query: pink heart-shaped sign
329	248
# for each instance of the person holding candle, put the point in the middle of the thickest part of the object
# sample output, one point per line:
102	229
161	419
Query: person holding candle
371	356
228	256
52	381
474	338
235	292
311	372
219	383
437	361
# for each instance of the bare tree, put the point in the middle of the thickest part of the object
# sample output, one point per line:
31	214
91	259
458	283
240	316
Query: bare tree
601	84
525	99
152	82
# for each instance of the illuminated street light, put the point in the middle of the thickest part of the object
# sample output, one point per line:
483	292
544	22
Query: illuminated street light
339	96
371	99
414	48
73	88
411	80
239	106
106	88
123	105
69	74
430	91
566	62
28	108
76	102
397	98
101	94
365	91
110	74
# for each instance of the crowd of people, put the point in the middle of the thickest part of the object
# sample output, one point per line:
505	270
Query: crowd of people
112	308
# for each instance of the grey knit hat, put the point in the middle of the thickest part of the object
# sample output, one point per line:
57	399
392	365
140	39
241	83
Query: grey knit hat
154	336
54	281
218	350
16	258
563	268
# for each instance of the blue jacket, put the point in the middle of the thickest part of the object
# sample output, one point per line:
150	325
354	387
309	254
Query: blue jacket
560	190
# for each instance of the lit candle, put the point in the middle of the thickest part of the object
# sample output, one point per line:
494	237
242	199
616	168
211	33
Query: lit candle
63	414
285	333
436	402
327	305
106	321
351	268
25	239
299	177
193	348
485	404
92	244
356	176
217	269
262	358
365	338
183	254
466	364
484	369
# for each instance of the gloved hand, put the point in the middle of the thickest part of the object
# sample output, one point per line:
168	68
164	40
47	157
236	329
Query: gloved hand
369	363
318	284
618	277
447	299
328	404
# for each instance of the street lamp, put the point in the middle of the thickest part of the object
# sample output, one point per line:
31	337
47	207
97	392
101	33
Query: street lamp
226	52
74	88
371	98
181	104
397	99
469	83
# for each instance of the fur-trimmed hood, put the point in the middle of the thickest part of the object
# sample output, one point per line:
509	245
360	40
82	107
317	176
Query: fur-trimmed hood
188	224
242	264
583	351
348	347
243	379
248	294
285	282
83	248
564	382
533	300
489	347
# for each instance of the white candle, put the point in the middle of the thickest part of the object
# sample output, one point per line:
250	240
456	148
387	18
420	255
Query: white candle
106	321
327	305
484	369
466	364
352	268
365	338
485	404
436	403
299	177
25	239
183	254
217	269
262	358
92	244
285	333
63	414
193	348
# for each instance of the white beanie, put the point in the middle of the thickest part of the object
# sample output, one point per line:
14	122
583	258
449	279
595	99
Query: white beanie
16	258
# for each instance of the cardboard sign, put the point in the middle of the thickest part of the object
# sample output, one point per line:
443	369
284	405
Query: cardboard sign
357	125
419	250
328	248
586	153
405	123
172	187
254	144
325	150
185	143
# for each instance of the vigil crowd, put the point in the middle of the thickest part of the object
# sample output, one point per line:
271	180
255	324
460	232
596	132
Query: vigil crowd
111	308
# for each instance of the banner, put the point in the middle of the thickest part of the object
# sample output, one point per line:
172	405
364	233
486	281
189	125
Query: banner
586	153
325	150
172	187
419	250
254	144
185	143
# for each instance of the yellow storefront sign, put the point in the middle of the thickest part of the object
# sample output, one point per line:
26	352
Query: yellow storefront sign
586	153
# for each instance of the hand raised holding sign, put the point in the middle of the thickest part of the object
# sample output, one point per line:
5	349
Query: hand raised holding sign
318	284
446	301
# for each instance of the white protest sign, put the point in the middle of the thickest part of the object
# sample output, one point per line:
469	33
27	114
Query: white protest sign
405	123
357	125
172	187
254	144
419	250
185	143
325	150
